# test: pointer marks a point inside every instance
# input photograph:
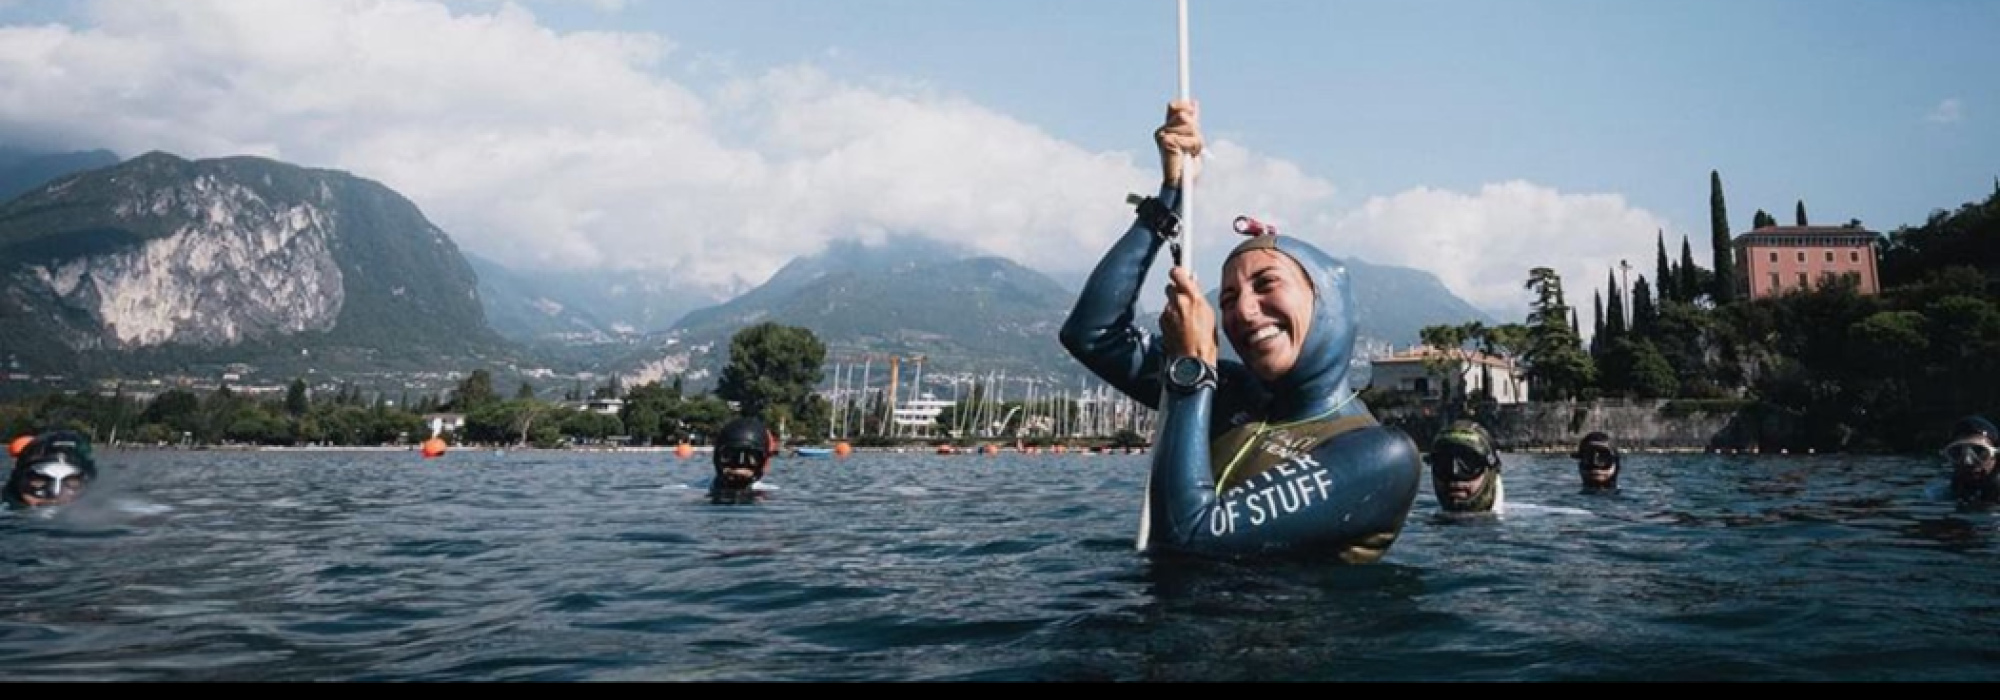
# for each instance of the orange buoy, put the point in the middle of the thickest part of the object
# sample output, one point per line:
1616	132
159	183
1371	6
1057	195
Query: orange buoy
842	449
20	443
989	449
684	450
433	447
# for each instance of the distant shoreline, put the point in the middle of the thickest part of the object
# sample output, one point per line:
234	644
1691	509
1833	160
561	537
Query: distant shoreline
382	448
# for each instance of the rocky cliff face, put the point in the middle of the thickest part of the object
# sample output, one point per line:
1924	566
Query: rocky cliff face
237	267
161	251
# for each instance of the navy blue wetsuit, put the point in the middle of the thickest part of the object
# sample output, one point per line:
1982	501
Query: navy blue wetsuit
1303	466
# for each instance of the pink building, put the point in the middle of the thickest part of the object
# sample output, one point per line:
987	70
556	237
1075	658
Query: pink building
1775	260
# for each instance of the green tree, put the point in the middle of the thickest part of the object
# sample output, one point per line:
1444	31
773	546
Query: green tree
1643	310
1614	310
1800	215
1724	288
179	410
1632	367
1689	274
296	400
1652	377
591	425
1964	365
1597	316
1683	335
1449	361
810	423
1663	270
526	391
1762	219
1964	237
1555	359
642	423
771	366
703	415
1509	340
474	393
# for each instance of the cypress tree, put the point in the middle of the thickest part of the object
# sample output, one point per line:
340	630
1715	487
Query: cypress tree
1597	320
1689	276
1664	271
1724	288
1614	309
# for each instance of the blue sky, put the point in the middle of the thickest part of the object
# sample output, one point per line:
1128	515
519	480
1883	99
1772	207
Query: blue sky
712	141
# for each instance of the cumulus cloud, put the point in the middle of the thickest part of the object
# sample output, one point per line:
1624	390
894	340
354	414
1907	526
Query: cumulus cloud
1950	111
1483	245
573	149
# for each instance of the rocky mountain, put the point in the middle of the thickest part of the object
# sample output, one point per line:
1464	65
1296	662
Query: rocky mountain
967	314
580	307
158	263
908	297
160	258
1397	302
23	170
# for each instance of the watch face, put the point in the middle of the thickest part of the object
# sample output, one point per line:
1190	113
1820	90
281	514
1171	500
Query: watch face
1185	371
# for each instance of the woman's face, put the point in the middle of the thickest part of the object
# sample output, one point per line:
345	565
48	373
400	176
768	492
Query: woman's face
1267	308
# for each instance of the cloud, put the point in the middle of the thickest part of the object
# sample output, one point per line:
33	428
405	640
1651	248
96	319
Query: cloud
1483	245
1950	111
538	147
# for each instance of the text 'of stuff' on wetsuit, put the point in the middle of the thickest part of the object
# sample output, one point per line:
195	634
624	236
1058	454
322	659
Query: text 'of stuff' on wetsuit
1302	465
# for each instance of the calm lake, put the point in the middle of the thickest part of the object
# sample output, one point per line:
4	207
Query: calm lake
555	566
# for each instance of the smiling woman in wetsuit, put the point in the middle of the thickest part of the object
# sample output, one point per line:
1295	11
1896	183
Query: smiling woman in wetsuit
1272	454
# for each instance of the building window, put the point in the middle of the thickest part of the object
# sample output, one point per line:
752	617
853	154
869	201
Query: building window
1802	279
1774	281
1829	256
1854	256
1802	256
1774	256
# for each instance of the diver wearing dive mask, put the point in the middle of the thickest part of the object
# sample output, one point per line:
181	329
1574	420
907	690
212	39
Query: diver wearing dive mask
53	469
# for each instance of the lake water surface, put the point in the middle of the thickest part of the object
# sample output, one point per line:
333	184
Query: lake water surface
556	566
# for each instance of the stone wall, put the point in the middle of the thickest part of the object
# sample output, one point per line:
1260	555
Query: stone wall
1633	425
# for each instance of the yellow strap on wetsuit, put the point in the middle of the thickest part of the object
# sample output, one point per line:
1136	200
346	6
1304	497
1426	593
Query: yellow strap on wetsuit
1356	422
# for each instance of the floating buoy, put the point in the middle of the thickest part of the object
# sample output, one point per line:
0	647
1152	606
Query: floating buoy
989	449
684	450
433	447
946	450
20	443
842	449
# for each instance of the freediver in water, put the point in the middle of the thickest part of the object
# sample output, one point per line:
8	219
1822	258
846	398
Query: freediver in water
1971	456
53	468
742	456
1465	470
1271	454
1598	463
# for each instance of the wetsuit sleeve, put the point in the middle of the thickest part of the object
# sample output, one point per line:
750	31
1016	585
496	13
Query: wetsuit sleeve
1347	497
1103	332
